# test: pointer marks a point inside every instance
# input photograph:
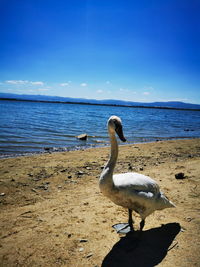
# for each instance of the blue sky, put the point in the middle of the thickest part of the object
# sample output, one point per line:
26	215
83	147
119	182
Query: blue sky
102	49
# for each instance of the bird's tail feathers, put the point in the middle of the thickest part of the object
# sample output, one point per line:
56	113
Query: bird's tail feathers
164	202
172	205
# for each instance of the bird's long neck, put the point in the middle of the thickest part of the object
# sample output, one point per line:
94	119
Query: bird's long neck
107	173
113	153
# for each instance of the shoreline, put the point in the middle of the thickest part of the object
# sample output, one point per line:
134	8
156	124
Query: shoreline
52	150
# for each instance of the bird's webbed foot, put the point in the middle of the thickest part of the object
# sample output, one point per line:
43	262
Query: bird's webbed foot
123	228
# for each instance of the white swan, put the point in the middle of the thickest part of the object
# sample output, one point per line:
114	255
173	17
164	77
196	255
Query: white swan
130	190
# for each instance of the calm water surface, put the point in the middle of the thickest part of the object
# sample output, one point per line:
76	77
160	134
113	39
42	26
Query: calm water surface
30	127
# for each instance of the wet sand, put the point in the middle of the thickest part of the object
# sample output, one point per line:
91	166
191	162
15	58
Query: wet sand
53	214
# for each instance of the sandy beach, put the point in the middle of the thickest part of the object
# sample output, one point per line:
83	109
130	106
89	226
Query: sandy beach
53	214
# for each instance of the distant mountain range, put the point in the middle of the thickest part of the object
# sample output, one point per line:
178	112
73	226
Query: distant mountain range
44	98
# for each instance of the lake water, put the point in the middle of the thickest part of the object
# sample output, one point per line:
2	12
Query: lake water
30	127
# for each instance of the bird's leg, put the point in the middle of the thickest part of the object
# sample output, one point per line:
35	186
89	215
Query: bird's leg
124	228
142	224
130	219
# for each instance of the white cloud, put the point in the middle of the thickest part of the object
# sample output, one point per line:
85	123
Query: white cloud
23	82
37	83
124	90
64	84
99	91
43	89
146	93
17	82
127	91
83	84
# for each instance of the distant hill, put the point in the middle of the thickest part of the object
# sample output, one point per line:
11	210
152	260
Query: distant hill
170	104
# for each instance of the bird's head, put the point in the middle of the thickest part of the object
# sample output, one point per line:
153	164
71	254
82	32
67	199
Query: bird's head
115	125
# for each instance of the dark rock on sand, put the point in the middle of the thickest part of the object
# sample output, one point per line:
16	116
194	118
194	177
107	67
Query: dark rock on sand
180	175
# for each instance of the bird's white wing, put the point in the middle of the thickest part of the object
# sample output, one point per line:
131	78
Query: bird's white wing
137	182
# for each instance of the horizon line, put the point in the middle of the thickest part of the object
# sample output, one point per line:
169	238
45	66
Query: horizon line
101	104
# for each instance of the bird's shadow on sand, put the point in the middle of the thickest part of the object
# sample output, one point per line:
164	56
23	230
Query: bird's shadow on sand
142	250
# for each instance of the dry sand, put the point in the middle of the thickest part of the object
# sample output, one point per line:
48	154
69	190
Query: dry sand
52	213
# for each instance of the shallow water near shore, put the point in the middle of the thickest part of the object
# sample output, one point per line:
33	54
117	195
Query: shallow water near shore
33	127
